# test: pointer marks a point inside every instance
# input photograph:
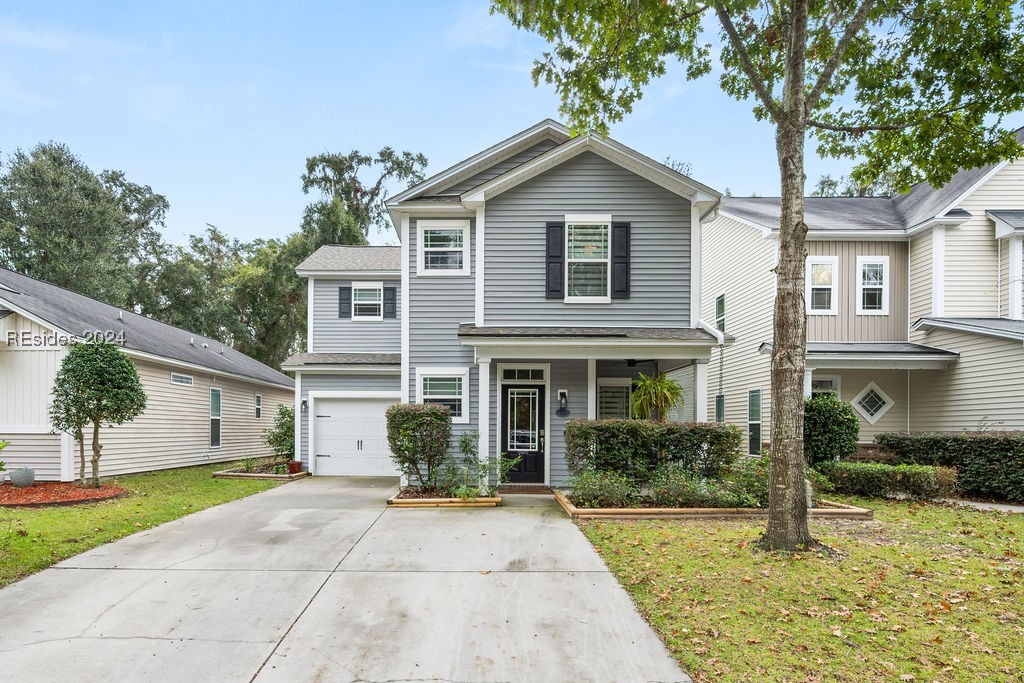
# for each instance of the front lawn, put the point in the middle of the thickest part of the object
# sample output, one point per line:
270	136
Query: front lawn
33	539
920	593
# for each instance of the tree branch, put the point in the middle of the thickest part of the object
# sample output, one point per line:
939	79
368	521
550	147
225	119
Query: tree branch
760	87
860	17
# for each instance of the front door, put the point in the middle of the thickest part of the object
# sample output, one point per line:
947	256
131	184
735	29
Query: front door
522	408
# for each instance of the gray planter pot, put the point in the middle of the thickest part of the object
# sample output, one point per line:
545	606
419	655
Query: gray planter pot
23	477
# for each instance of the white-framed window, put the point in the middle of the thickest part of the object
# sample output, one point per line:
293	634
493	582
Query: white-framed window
367	300
445	386
872	403
754	421
443	247
259	407
872	285
588	252
613	398
825	384
821	277
720	312
183	380
215	413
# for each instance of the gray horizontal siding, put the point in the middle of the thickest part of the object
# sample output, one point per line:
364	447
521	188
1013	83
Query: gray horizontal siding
332	334
660	247
339	383
499	168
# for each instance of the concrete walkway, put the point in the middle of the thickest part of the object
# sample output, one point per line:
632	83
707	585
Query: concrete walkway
987	507
317	581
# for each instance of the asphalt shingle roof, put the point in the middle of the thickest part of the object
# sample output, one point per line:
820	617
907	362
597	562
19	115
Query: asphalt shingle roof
1012	217
314	359
78	314
343	258
869	349
680	333
1001	327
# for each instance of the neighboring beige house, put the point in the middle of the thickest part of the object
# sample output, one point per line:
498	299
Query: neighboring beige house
206	402
914	305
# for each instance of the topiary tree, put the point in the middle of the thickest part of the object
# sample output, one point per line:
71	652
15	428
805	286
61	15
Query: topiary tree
655	393
831	429
281	436
97	384
419	436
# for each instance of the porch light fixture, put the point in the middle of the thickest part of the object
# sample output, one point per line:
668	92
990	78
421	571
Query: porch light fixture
563	399
304	406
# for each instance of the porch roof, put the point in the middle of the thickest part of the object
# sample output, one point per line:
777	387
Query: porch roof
873	355
379	362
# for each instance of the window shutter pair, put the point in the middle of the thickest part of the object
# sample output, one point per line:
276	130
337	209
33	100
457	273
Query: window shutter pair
345	302
554	265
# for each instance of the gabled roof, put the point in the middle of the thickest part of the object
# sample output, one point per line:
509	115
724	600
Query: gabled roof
338	258
1008	221
990	327
75	314
548	129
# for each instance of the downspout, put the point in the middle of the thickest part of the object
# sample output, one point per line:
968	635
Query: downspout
909	403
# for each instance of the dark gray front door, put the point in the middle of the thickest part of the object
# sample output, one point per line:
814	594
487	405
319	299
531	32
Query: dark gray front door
522	434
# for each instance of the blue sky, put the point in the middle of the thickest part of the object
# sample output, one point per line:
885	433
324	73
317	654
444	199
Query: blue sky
217	104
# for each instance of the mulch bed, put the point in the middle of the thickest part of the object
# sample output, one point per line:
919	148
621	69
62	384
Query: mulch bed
412	493
47	493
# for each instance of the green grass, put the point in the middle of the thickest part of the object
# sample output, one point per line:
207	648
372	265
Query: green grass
35	538
921	593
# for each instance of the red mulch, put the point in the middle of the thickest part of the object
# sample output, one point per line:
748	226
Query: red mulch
55	493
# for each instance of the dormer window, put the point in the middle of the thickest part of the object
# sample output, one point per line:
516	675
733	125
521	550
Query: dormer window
588	259
443	247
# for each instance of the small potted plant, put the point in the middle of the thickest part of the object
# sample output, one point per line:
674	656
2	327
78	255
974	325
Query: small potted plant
23	477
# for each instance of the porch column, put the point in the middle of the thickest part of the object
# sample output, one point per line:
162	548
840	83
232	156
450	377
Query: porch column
808	376
484	407
591	389
700	391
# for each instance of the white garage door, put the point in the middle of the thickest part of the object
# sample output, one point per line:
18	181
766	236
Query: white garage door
351	437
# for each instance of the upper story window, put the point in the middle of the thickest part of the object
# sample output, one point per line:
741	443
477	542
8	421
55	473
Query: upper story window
443	247
872	285
367	301
720	313
447	387
821	278
588	258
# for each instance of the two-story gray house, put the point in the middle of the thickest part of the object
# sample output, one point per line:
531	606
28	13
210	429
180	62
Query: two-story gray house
534	281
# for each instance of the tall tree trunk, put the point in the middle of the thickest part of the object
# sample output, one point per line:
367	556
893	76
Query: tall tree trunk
81	454
787	503
96	453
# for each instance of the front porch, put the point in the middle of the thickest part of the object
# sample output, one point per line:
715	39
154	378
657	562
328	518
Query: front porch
531	381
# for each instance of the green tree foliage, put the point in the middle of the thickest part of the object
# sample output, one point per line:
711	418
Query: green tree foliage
846	186
347	200
655	394
831	429
281	436
96	384
916	89
64	224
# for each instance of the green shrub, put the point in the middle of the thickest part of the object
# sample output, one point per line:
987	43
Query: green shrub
989	464
281	435
750	477
831	429
419	436
675	485
603	490
634	448
877	480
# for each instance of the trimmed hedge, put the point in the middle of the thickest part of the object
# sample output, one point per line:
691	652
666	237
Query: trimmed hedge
989	464
877	480
636	448
420	437
603	490
831	429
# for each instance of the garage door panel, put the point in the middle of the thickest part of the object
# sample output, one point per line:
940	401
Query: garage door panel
351	437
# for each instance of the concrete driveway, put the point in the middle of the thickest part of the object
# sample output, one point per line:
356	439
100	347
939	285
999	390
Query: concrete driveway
318	581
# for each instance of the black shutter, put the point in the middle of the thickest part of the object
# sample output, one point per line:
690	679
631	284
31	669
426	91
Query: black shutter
620	260
344	302
390	309
554	265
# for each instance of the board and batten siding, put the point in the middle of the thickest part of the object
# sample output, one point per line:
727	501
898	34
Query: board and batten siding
333	334
588	184
174	430
971	259
749	287
337	382
920	279
437	306
846	325
26	377
497	169
983	389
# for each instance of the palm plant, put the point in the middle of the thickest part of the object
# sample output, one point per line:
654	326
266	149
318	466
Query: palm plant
655	393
